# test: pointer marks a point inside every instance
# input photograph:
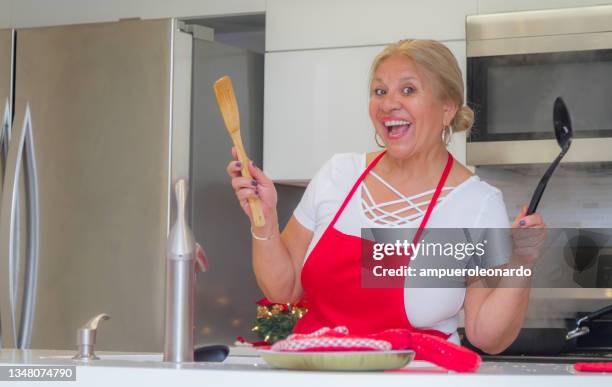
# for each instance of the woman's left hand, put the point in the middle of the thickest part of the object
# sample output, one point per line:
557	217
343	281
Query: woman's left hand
528	236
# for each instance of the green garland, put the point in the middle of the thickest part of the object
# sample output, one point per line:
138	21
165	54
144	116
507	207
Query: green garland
275	322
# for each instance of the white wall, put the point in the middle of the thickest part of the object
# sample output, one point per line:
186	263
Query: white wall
30	13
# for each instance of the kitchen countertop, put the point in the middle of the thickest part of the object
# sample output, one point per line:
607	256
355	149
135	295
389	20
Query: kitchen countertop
241	368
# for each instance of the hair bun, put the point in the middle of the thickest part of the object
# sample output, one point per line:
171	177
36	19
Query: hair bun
464	119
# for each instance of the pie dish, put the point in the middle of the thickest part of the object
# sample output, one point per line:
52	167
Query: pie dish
337	360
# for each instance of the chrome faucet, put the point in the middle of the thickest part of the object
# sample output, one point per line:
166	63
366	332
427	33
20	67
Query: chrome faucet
86	338
582	330
180	284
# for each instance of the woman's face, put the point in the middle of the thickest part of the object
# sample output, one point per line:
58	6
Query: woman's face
405	110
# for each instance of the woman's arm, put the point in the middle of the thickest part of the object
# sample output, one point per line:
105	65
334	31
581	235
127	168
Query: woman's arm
277	258
494	315
277	262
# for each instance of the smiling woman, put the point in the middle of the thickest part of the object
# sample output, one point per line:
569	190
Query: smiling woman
424	76
416	101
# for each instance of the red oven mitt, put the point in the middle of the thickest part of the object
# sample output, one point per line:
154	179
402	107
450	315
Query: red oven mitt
605	366
433	349
430	348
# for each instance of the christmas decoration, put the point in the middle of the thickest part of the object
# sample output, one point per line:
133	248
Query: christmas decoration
275	322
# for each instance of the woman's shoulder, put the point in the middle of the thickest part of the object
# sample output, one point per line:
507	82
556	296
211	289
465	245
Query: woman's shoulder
478	200
345	165
337	173
331	184
349	159
479	189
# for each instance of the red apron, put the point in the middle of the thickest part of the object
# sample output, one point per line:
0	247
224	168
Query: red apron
331	280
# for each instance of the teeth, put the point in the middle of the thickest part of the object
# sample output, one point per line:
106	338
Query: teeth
395	123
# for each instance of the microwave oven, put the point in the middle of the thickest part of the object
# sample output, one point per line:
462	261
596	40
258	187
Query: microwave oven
518	63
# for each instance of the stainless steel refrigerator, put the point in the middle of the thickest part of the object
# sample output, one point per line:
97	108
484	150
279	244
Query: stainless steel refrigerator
119	111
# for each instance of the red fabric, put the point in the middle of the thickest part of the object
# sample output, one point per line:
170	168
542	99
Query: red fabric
328	340
443	353
331	280
262	344
431	348
266	302
594	367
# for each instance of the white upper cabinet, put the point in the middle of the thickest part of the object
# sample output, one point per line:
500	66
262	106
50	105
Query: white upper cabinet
298	24
318	56
316	104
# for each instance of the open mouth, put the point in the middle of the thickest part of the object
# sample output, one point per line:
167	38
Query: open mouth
397	128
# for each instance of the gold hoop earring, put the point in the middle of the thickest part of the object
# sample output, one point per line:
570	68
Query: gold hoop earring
447	134
377	142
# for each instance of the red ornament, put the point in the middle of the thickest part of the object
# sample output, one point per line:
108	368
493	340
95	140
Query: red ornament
264	302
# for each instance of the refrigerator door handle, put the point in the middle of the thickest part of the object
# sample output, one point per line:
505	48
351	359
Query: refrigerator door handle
5	134
21	149
31	267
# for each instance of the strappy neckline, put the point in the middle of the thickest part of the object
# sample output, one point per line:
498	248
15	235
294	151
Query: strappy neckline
406	221
376	212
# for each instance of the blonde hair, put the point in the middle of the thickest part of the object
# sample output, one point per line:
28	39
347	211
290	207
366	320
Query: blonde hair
437	61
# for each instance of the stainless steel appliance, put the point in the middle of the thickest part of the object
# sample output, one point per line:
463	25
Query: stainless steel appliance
109	131
118	112
518	63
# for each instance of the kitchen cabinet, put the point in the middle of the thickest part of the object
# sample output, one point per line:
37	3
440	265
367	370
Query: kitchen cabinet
295	24
31	13
318	56
495	6
316	104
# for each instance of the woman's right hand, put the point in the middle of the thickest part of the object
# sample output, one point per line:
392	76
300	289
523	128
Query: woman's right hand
259	187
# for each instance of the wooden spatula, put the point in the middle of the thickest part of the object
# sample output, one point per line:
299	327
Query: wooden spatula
224	91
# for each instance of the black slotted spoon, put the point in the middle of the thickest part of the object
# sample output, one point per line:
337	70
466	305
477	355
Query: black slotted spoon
563	132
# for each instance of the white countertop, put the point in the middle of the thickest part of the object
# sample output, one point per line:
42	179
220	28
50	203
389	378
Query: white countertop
243	369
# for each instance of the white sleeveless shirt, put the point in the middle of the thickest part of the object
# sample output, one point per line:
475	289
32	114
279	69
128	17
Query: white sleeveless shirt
471	204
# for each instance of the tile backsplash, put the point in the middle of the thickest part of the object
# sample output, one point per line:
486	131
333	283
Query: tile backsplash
577	195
